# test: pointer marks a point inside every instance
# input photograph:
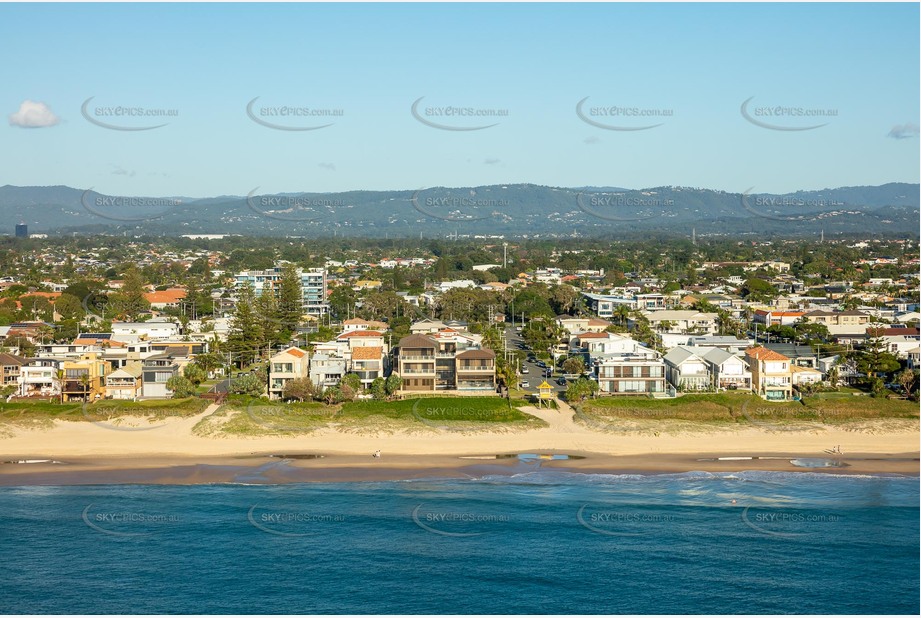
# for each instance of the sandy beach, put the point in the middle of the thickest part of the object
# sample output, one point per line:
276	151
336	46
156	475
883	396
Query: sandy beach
168	451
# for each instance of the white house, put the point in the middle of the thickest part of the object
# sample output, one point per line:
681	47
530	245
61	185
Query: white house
686	370
285	366
727	370
682	321
632	374
136	331
39	378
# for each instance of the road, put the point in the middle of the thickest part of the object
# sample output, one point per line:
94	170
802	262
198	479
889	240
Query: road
535	374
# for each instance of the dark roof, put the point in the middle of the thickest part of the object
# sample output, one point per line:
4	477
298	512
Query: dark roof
892	332
94	336
791	349
11	359
417	341
473	354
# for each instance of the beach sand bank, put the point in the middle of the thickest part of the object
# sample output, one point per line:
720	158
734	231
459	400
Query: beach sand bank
134	450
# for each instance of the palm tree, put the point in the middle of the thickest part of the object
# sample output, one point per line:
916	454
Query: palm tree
85	383
59	376
622	313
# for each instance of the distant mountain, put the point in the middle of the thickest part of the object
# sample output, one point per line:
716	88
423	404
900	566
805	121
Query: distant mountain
511	210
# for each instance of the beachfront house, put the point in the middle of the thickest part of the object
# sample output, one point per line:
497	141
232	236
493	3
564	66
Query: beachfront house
727	370
40	377
11	365
125	382
772	377
687	370
326	369
285	366
632	373
475	370
85	378
157	370
416	362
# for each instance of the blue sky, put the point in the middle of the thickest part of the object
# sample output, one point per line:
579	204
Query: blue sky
857	62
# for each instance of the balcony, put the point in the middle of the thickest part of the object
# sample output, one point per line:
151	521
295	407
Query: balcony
417	372
416	358
478	368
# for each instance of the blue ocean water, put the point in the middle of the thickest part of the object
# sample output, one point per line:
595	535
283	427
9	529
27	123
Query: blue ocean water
536	542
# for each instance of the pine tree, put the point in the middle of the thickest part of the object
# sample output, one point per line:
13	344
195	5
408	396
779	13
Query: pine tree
245	332
290	300
130	301
267	312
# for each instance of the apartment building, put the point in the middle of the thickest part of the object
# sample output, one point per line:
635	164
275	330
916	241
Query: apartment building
449	361
314	285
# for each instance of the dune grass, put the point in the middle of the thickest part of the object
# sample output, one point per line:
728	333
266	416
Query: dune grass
740	409
255	416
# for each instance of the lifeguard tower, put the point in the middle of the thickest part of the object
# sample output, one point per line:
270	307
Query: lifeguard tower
544	394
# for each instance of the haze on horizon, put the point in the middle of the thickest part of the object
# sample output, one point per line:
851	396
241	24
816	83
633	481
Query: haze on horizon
727	96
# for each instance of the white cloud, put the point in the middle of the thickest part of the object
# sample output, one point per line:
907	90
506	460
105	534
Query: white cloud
904	131
33	115
120	171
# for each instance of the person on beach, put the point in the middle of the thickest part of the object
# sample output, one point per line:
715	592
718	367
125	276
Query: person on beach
377	454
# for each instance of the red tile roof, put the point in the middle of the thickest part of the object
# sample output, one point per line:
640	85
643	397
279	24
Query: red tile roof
762	353
360	333
369	352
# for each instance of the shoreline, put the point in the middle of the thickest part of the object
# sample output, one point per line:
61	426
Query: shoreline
173	452
267	469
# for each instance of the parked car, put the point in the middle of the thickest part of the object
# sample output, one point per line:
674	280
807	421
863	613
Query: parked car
525	384
524	370
561	381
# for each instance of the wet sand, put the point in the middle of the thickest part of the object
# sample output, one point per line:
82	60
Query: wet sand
294	467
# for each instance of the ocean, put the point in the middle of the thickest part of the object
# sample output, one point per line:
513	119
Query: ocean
538	541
